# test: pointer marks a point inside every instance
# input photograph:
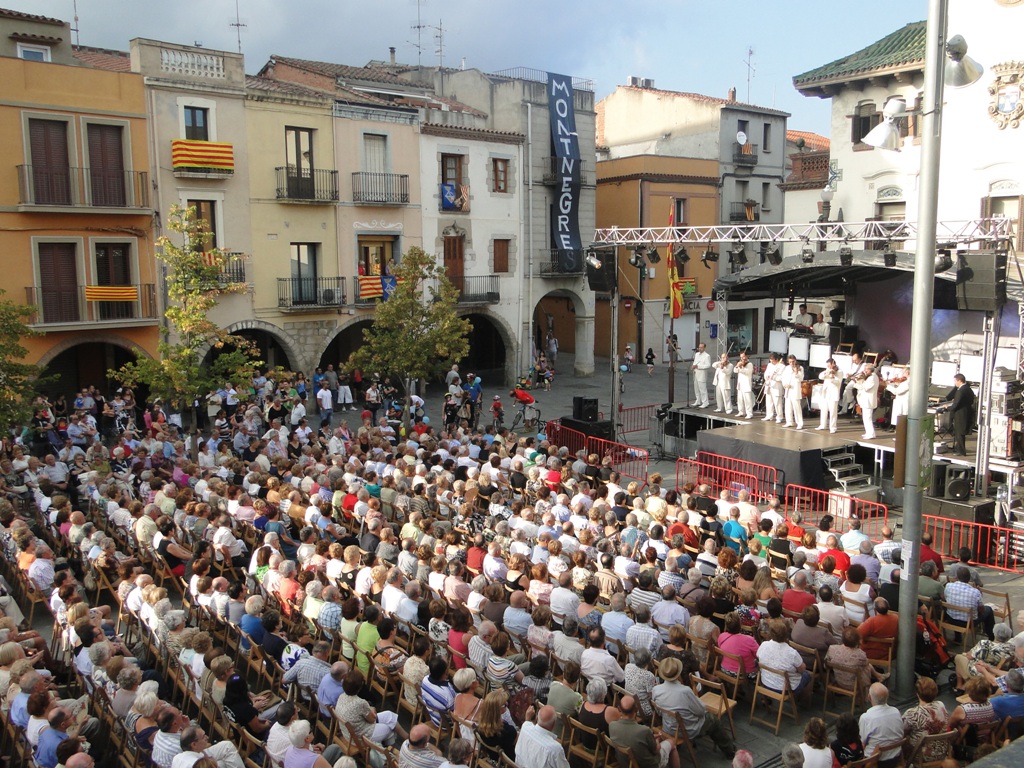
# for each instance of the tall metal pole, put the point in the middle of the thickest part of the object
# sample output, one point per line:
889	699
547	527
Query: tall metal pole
920	343
614	305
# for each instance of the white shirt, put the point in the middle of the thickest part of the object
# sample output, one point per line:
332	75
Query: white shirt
326	399
791	381
744	377
538	748
830	385
597	662
564	602
701	361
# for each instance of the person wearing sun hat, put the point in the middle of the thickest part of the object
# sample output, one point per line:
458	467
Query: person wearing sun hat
673	695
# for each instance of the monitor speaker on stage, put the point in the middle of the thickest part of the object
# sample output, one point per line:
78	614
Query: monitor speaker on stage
958	483
584	408
981	280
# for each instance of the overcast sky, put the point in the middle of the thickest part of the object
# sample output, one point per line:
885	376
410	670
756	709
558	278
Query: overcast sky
685	45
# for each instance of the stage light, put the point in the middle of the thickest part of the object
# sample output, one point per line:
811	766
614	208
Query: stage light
738	255
774	255
652	254
846	256
889	256
886	135
709	256
961	69
943	262
636	258
592	260
807	255
680	255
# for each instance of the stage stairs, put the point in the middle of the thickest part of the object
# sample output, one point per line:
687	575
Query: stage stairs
843	466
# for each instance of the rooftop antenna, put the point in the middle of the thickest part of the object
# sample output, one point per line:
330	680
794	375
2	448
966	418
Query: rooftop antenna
74	5
439	37
751	69
238	24
418	27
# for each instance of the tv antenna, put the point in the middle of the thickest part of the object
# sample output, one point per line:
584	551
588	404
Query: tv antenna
418	28
74	5
751	70
439	38
238	24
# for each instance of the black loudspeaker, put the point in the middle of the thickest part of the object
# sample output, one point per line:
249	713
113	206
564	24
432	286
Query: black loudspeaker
584	408
599	429
958	483
981	280
602	280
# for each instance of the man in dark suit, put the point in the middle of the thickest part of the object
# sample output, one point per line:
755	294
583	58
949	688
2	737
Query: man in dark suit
962	407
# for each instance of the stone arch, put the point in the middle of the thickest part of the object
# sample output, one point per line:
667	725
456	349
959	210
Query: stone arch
505	335
286	340
574	326
342	329
90	338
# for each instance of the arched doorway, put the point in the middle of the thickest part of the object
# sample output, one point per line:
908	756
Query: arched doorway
346	341
85	365
269	348
488	350
555	312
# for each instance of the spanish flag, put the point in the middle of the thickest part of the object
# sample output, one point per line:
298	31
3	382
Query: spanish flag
202	154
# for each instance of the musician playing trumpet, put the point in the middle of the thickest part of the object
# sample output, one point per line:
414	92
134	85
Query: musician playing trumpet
831	378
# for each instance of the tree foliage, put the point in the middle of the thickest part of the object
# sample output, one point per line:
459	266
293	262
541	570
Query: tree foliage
194	286
18	380
416	333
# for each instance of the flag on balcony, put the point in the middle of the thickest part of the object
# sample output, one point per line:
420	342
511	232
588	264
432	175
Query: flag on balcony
748	149
675	286
202	154
371	287
111	293
388	285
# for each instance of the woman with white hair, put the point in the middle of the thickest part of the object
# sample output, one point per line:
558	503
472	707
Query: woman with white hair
302	754
595	712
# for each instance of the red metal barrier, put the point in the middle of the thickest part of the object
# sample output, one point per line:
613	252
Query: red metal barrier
570	438
992	545
628	460
767	476
636	419
717	478
814	504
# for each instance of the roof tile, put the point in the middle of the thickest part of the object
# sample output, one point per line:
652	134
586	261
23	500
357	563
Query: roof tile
815	142
103	58
900	49
707	99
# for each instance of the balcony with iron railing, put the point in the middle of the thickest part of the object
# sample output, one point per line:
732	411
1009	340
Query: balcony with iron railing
92	305
308	185
554	169
477	289
233	269
745	211
310	294
555	262
380	188
744	154
79	188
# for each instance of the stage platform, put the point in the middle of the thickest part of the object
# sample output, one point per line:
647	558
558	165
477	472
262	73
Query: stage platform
796	453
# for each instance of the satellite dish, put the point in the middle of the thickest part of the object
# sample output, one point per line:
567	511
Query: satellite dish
741	137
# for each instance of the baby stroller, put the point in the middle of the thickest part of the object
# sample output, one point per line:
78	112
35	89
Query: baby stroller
932	657
526	380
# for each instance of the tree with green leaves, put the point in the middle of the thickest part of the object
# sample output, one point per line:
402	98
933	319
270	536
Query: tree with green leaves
18	379
193	285
416	333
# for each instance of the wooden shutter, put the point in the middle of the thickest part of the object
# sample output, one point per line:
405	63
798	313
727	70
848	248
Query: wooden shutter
106	165
58	283
51	168
375	147
113	267
501	255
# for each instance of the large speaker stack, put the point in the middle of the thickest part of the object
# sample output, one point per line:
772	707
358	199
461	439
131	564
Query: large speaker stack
599	429
584	408
981	280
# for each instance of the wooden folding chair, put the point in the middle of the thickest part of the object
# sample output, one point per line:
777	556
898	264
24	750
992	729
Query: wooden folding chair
931	744
833	686
961	630
1000	604
900	745
738	682
593	758
786	694
624	755
677	733
889	643
713	696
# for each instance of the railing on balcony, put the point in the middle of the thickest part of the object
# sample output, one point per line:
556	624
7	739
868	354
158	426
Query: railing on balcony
557	262
310	293
233	268
82	187
481	289
315	185
553	170
744	154
380	188
84	304
745	211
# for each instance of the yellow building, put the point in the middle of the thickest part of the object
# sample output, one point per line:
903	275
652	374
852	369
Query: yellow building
75	217
644	191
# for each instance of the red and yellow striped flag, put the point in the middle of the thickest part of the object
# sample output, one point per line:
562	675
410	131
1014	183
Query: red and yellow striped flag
370	287
111	293
202	154
675	284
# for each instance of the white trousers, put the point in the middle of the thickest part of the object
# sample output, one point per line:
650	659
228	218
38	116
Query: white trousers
723	399
830	416
795	412
868	414
700	384
745	404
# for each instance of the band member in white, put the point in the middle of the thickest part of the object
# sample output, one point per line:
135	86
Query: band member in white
804	319
831	377
701	366
723	384
820	328
850	393
774	408
899	387
745	387
867	399
792	378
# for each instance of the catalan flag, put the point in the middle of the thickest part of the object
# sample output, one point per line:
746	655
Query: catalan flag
202	154
111	293
370	287
674	278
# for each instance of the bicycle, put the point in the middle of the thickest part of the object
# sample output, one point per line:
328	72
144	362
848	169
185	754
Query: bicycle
528	415
499	419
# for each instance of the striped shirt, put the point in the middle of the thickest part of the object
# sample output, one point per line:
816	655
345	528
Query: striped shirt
438	698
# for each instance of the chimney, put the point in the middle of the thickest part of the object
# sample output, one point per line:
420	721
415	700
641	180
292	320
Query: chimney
392	51
732	91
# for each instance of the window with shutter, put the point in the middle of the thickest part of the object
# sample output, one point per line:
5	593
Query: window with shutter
113	267
106	165
206	213
375	149
51	168
501	255
866	117
57	294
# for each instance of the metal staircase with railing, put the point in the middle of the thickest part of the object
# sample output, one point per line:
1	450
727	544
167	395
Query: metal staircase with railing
842	465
